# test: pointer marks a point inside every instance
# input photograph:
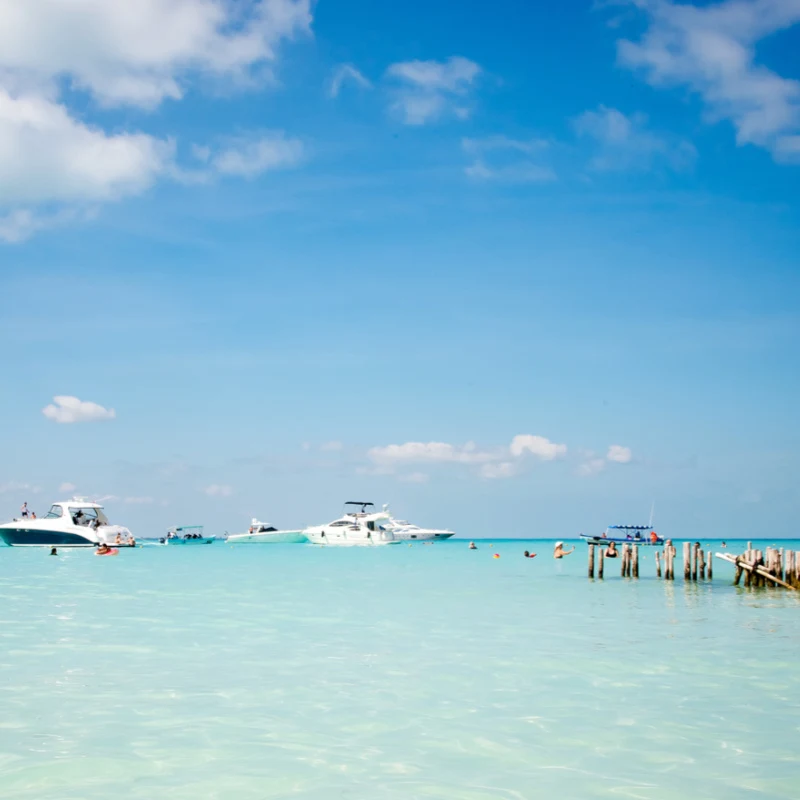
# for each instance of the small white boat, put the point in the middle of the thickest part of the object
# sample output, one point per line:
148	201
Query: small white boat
360	526
264	533
71	523
187	535
405	531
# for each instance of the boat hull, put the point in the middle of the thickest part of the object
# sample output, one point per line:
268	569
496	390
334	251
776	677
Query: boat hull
18	536
188	542
617	540
269	537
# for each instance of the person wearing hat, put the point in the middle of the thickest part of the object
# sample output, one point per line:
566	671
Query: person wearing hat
560	552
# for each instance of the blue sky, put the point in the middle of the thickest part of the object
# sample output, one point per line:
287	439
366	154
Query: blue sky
519	270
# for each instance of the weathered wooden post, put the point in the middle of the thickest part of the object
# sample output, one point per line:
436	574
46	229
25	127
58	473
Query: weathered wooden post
687	561
600	560
749	546
781	563
695	559
591	561
760	580
658	564
710	560
635	553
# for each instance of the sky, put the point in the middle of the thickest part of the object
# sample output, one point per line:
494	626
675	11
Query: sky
524	269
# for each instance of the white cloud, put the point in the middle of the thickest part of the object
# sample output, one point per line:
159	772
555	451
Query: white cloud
414	477
67	487
346	73
619	454
538	446
625	142
430	90
522	172
251	156
420	452
711	49
218	490
12	487
47	156
140	53
331	447
67	409
54	166
505	469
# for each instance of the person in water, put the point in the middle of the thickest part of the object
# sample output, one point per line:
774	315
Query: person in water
724	545
53	551
530	555
103	549
611	550
473	546
560	552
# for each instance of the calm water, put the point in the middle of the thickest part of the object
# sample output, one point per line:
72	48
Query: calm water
288	671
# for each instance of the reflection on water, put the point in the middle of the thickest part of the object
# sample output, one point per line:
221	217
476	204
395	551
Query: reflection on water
424	672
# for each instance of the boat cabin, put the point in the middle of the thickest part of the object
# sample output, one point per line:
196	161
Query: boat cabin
80	510
185	532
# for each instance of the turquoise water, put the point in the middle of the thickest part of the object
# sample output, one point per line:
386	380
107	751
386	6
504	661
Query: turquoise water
289	671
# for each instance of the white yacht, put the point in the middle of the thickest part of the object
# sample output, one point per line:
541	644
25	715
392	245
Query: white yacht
264	533
405	531
360	525
72	523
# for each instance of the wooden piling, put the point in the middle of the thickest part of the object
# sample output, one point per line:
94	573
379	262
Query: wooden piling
658	564
600	560
635	560
591	561
710	560
701	569
758	570
781	563
687	561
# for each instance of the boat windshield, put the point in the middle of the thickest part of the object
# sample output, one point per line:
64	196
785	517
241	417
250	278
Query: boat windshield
54	513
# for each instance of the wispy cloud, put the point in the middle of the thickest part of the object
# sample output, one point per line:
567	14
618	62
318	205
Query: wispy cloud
421	452
624	142
431	90
505	469
331	447
218	490
502	159
414	477
592	464
346	73
12	487
67	487
711	49
66	409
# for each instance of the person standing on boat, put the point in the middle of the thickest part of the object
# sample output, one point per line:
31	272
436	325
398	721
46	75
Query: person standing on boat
24	510
560	552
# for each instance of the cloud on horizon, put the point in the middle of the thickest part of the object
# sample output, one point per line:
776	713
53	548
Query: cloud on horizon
66	409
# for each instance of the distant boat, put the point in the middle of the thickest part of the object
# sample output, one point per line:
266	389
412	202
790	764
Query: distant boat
187	535
406	531
360	525
264	533
626	534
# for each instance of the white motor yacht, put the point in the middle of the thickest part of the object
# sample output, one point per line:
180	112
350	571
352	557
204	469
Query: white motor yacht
72	523
264	533
405	531
360	525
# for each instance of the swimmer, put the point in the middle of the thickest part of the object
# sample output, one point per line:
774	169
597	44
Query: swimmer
611	550
473	546
560	552
496	555
724	545
53	551
529	555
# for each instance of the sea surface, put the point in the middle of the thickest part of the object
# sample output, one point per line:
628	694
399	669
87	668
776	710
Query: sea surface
432	671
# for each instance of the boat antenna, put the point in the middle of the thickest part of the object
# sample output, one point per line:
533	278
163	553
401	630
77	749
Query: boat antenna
652	509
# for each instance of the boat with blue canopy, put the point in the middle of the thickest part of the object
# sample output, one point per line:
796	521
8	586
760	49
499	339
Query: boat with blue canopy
187	535
626	534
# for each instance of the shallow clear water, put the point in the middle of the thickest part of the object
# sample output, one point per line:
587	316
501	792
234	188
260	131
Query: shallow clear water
288	671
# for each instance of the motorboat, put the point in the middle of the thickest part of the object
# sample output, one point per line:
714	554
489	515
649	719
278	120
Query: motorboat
70	523
187	535
264	533
360	525
405	531
626	534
